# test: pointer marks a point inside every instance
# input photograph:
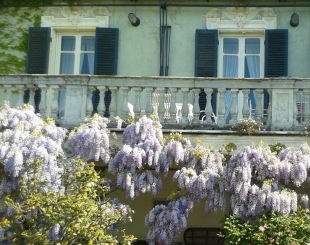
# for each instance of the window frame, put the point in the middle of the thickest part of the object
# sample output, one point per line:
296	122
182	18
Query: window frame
241	35
77	52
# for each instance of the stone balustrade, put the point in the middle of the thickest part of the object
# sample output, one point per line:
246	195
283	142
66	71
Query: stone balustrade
177	101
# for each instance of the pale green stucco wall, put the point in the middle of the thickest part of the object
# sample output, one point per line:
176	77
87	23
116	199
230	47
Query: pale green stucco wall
139	46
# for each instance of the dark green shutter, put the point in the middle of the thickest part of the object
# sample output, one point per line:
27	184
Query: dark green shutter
106	51
206	61
38	50
106	57
206	53
276	56
276	53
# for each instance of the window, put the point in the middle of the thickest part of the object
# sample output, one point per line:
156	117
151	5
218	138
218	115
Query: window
76	54
241	56
235	56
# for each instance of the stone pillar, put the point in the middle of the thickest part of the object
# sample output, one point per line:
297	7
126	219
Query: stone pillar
55	103
101	106
221	107
42	105
112	108
161	104
149	108
234	110
137	105
245	108
208	109
307	106
172	109
259	108
269	110
21	92
196	108
89	103
185	110
125	109
8	89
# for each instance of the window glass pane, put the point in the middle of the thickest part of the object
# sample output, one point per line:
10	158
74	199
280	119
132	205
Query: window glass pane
252	66
87	63
88	43
68	43
230	66
66	63
231	46
252	45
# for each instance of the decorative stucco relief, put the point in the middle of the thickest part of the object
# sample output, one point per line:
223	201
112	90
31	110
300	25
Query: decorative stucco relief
241	17
75	16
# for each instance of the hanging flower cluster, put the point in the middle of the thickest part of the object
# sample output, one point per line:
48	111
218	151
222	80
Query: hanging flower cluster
24	139
135	162
259	180
167	221
91	139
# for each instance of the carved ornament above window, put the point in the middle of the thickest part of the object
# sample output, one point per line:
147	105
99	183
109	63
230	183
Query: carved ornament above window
241	17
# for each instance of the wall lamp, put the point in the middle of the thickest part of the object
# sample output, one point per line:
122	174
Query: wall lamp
294	20
134	20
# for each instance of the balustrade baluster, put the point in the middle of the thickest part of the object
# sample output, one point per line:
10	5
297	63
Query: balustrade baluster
89	105
269	110
245	108
259	108
208	109
101	106
295	107
221	107
125	110
161	104
137	105
185	109
20	99
307	106
111	110
8	91
172	109
196	109
42	104
55	103
234	105
31	96
167	104
149	108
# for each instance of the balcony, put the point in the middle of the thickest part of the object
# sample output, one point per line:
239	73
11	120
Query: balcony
175	100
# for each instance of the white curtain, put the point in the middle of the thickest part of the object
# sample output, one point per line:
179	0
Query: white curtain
252	65
230	68
87	59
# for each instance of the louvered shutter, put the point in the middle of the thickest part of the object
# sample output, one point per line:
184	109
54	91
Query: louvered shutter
206	53
206	61
276	56
38	50
106	51
276	53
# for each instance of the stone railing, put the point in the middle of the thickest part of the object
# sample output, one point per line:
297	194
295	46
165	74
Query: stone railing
177	101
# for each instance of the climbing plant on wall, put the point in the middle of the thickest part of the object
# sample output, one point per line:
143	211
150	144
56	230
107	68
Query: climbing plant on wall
14	24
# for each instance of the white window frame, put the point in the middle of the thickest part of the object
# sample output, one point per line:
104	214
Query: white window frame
77	52
71	20
241	36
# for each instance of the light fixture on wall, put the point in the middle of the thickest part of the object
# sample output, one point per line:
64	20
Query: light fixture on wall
294	20
134	20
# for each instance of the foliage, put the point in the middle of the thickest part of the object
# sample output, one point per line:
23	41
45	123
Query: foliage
247	126
14	24
277	147
46	197
269	228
